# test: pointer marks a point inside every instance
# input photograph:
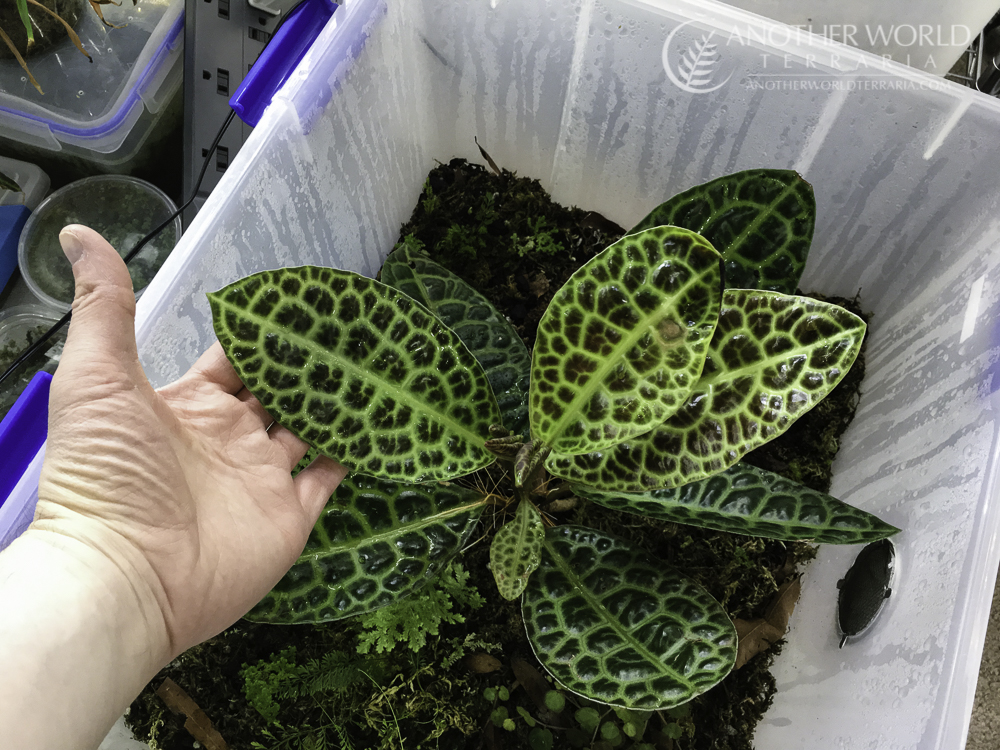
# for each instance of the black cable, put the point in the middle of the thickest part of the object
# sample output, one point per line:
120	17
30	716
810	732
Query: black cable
57	326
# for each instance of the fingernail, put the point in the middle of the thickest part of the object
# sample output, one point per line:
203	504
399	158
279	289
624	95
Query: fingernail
71	244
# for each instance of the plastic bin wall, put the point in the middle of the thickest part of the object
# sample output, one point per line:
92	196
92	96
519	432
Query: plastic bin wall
577	94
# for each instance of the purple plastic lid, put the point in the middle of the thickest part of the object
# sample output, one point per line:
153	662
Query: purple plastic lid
22	433
279	58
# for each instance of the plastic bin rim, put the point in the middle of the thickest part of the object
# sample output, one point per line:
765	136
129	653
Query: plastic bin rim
113	121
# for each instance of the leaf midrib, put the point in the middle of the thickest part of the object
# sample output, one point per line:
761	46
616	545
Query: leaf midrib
626	636
706	382
366	375
753	225
396	531
573	411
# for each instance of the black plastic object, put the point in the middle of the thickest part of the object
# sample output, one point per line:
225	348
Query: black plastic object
865	588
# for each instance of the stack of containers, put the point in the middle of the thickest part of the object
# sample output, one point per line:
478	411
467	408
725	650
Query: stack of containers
103	116
589	97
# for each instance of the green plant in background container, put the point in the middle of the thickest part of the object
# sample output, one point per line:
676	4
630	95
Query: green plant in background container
659	364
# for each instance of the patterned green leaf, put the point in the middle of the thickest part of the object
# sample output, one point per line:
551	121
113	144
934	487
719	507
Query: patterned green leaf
375	543
359	370
623	342
516	550
761	221
618	626
746	500
487	334
772	359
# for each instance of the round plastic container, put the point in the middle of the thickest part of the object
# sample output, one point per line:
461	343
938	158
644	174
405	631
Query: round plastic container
19	328
123	209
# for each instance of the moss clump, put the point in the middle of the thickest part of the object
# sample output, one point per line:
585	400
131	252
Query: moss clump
505	236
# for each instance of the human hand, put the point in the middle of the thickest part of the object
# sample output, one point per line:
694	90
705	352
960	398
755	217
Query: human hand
185	490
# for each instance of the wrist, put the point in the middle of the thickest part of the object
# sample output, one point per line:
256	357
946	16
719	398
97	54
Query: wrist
77	624
100	578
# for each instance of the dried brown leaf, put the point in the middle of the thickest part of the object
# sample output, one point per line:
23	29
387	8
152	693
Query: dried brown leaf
489	159
536	686
482	663
562	505
197	724
532	681
96	5
756	636
17	56
74	37
539	285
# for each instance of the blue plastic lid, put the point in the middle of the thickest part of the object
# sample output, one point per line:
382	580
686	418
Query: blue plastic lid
22	433
285	50
12	220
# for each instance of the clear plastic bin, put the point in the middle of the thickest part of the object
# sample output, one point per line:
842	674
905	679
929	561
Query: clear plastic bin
100	116
576	94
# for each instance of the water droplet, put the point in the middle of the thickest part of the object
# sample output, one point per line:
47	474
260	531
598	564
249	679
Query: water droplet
80	92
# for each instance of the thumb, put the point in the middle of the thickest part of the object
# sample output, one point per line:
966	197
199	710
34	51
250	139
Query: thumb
102	329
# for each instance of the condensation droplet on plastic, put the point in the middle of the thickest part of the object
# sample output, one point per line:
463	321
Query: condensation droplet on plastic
493	4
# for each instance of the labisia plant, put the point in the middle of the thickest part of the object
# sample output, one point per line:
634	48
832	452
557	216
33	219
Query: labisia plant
657	366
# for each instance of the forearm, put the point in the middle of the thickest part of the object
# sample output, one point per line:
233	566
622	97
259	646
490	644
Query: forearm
78	641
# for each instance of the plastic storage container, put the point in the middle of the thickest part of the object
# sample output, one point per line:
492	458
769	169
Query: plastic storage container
122	208
100	116
588	97
34	183
19	327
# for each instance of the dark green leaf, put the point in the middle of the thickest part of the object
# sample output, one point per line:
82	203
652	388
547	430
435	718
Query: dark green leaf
623	342
359	370
555	701
746	500
761	221
588	719
540	739
772	359
375	543
487	334
614	624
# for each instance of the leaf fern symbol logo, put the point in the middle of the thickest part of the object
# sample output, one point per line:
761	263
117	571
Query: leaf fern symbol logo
696	64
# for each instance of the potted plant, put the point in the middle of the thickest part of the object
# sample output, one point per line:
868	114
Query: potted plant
649	379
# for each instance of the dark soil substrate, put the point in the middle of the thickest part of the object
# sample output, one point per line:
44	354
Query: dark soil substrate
504	235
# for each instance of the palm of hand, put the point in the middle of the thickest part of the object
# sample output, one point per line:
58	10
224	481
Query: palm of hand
185	489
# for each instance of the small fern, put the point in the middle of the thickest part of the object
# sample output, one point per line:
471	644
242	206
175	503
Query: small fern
411	620
335	672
